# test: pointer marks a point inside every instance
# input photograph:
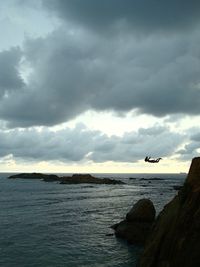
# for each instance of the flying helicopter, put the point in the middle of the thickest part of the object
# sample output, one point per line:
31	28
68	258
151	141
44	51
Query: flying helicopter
148	159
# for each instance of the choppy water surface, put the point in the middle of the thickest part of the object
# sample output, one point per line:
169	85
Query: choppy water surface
48	224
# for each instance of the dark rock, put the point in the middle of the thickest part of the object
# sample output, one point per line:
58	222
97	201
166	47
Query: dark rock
110	234
136	227
174	240
142	211
51	178
133	232
177	187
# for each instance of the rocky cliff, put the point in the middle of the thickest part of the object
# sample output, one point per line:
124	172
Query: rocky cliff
174	240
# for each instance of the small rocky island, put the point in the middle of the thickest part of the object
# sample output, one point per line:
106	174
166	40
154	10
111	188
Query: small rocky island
74	179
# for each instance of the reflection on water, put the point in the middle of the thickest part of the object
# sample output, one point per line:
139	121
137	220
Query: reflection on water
48	224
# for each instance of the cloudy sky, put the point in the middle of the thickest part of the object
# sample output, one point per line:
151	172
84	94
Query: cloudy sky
95	86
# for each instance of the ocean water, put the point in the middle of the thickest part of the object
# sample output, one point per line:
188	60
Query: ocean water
48	224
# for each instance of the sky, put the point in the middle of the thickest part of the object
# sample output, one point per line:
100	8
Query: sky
96	86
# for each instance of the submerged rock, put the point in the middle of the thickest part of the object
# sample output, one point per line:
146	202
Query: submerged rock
174	240
136	227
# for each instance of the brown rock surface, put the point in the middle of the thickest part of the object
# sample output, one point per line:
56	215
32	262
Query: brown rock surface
174	240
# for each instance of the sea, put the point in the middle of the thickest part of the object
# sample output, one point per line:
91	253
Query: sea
47	224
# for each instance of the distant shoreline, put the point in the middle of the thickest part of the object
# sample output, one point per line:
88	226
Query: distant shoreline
74	179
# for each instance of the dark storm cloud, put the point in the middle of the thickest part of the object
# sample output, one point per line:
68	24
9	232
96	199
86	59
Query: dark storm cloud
74	70
140	15
58	89
10	79
82	144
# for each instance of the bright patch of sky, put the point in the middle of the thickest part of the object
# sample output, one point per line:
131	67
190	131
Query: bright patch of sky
19	21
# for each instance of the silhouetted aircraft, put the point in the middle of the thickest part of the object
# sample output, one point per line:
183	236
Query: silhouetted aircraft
148	159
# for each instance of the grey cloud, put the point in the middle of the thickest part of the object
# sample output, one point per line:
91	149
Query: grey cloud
152	131
82	144
75	72
58	88
141	15
196	137
10	79
65	145
133	146
191	149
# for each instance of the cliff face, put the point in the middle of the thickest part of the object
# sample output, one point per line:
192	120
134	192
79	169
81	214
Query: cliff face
175	238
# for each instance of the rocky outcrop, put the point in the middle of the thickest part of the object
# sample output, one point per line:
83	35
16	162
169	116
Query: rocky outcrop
136	227
41	176
175	237
142	211
74	179
88	179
